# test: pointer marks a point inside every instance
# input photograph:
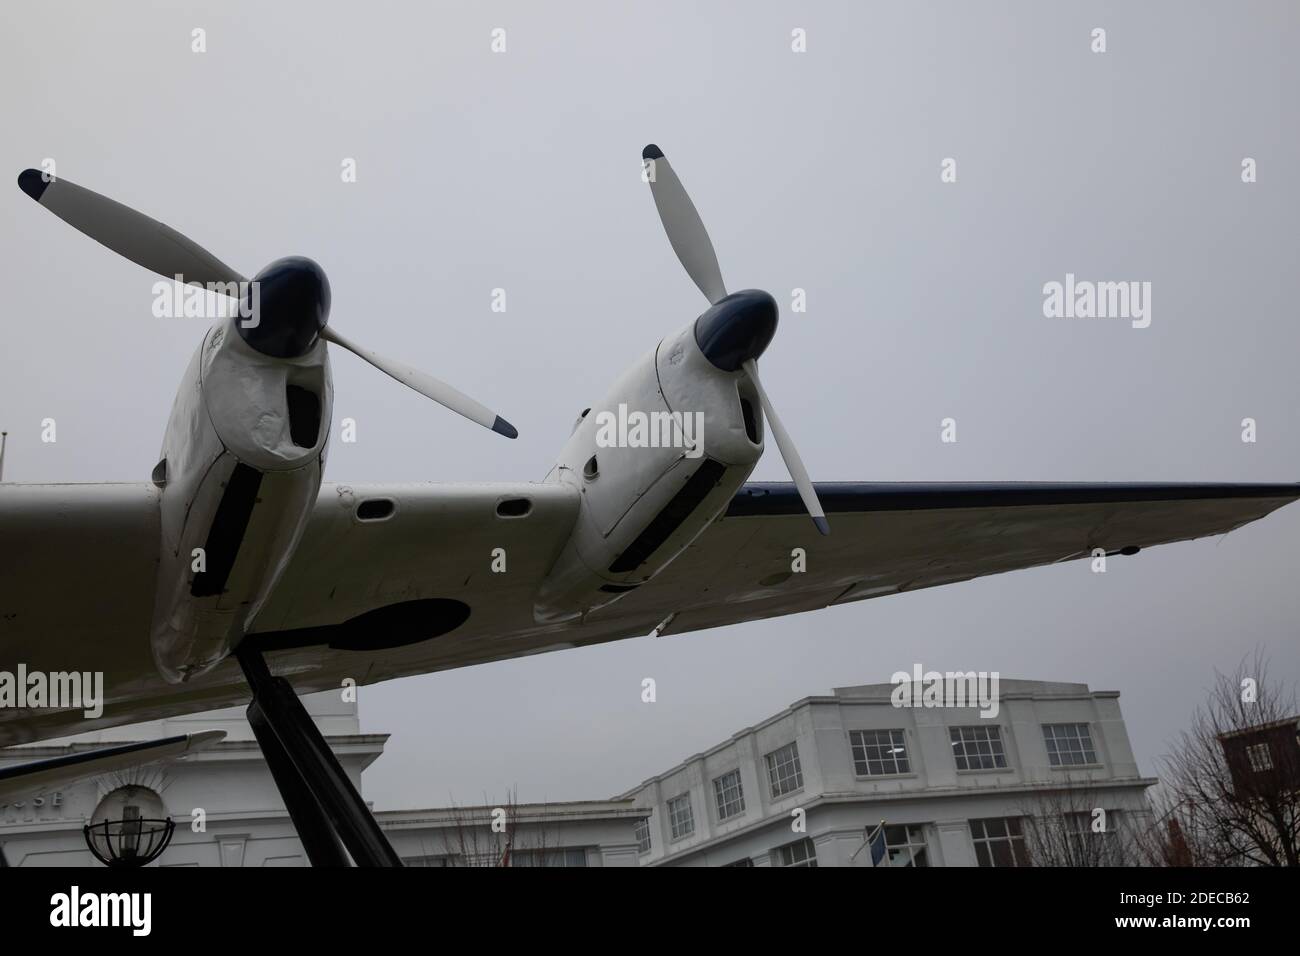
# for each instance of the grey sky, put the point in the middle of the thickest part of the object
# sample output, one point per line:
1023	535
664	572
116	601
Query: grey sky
818	170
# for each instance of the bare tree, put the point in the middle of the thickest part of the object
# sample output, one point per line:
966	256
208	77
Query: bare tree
491	835
473	840
1231	785
1069	826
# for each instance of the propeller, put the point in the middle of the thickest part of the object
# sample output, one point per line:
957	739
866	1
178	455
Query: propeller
736	330
686	232
292	301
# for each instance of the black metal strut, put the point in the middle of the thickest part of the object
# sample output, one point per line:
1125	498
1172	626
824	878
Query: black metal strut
326	809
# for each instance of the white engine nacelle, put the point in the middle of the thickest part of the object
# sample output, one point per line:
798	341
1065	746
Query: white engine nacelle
241	469
642	505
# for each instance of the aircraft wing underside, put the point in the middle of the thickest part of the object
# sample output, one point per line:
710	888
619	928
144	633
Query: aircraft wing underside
80	561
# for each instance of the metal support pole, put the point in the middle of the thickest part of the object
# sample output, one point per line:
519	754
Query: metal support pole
311	770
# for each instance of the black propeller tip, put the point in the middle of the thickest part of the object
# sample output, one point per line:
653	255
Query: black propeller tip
652	152
503	427
823	525
33	183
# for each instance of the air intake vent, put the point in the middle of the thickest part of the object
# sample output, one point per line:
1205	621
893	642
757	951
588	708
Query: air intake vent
375	509
751	423
513	507
304	416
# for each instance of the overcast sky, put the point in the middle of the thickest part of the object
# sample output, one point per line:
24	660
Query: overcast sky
818	170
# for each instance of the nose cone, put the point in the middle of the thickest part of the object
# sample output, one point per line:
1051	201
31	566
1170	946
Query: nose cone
737	328
290	306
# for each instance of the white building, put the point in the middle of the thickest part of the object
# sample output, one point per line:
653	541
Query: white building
244	822
954	788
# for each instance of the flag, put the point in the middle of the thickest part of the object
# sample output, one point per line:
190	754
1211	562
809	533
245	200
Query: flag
877	841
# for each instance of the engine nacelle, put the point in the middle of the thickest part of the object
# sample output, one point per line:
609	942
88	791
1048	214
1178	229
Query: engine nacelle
656	462
241	469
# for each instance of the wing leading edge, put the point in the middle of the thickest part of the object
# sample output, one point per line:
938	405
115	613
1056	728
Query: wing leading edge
22	780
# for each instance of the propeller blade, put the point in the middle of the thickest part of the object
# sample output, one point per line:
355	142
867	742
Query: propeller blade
793	463
428	386
133	235
686	232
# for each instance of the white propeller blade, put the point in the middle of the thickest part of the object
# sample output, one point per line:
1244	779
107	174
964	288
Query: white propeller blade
793	463
163	250
428	386
146	242
690	240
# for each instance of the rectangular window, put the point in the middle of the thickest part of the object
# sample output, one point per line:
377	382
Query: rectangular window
572	856
743	861
681	820
999	841
905	845
729	795
799	853
1261	757
642	830
877	753
1084	844
978	748
783	770
1069	745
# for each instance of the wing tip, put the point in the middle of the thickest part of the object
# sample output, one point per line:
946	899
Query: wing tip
203	739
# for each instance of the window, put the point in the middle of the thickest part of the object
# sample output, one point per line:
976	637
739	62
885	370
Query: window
570	856
1070	839
642	830
999	842
877	753
1261	758
743	861
1069	745
680	819
905	845
799	853
978	748
729	795
783	770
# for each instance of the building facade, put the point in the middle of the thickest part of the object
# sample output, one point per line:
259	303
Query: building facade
228	811
1050	778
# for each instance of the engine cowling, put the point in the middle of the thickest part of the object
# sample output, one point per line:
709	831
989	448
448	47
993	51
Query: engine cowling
241	470
644	500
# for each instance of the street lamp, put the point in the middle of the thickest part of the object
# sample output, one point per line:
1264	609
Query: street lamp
129	827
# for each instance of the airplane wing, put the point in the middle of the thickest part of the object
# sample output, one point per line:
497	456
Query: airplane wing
415	591
27	779
887	537
893	537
